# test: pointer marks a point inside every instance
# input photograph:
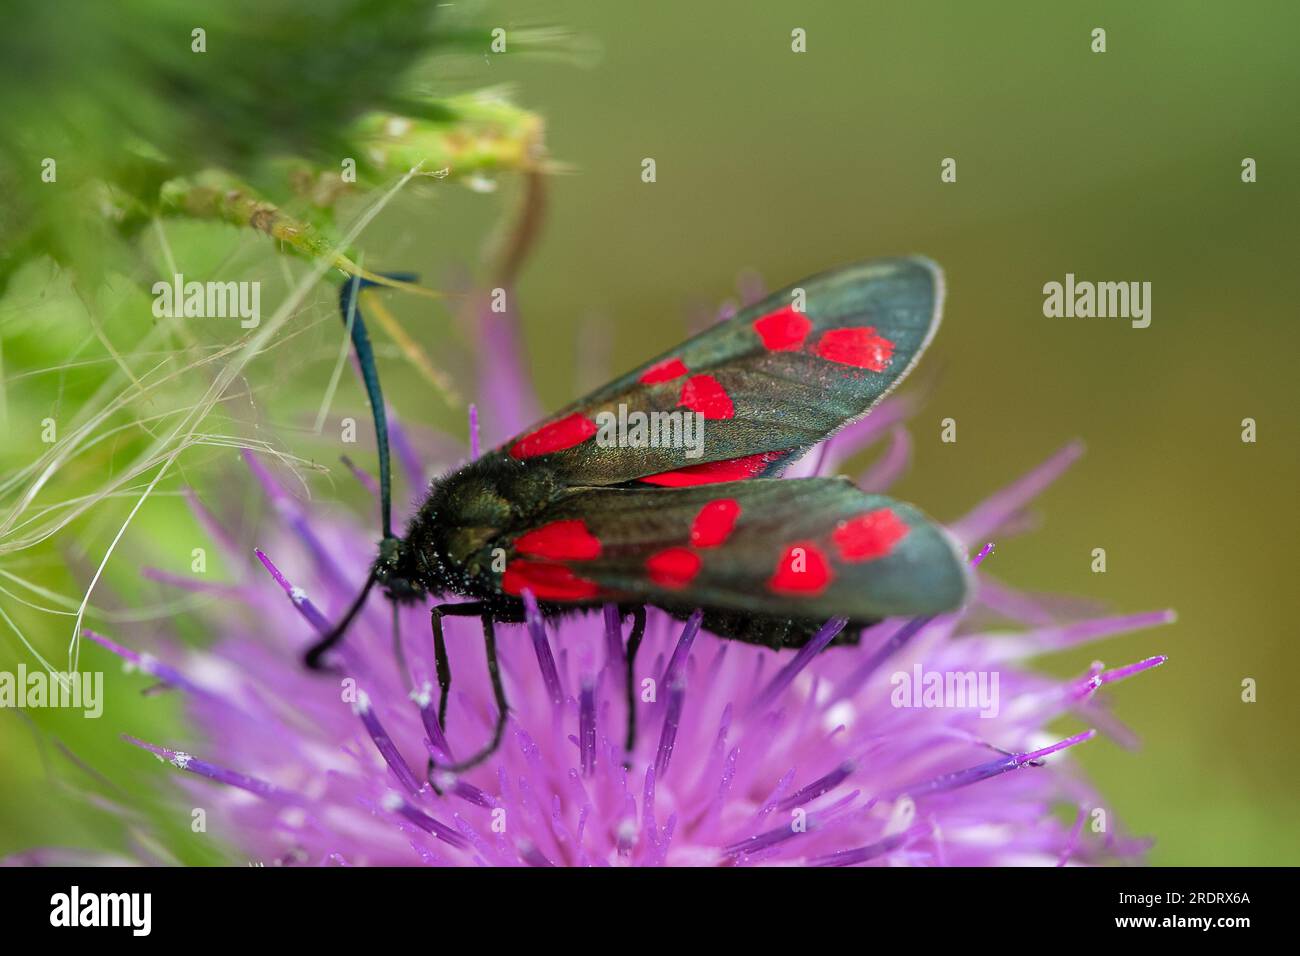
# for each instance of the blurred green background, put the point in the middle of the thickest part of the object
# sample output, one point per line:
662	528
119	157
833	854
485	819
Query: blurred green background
1117	166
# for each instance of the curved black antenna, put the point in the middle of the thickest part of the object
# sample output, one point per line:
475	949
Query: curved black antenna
353	320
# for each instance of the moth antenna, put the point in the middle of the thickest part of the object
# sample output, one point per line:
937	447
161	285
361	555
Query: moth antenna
353	320
314	653
356	325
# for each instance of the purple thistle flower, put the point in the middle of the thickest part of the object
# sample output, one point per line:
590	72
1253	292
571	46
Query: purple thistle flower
743	756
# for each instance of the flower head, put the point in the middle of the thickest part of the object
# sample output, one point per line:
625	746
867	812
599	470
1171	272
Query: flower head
926	742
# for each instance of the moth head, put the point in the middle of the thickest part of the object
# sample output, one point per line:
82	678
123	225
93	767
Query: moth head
396	572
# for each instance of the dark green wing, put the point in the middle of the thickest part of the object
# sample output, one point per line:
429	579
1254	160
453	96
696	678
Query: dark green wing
770	382
807	547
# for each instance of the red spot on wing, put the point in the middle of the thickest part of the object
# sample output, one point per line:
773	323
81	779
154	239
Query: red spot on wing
802	570
713	524
548	582
869	536
557	436
560	541
859	347
783	330
703	394
673	567
729	469
664	371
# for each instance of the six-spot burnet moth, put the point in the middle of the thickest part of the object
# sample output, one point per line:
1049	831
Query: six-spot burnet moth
556	517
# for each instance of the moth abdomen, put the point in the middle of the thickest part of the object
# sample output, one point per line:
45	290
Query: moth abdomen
773	631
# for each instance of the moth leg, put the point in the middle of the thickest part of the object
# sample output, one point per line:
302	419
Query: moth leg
633	643
313	655
399	653
441	662
443	666
498	691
